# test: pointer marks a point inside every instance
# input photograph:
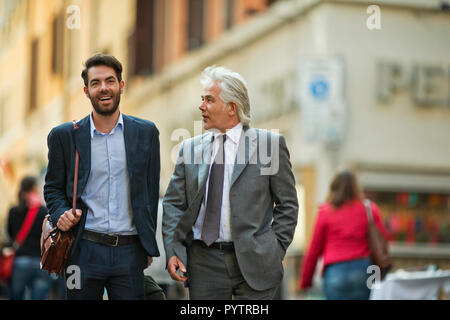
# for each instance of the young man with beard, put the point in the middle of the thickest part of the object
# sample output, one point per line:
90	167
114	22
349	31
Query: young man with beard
117	193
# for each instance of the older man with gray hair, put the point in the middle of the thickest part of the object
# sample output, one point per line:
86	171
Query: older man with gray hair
231	207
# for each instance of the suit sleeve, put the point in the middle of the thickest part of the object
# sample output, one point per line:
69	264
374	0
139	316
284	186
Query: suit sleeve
174	204
55	178
282	185
153	177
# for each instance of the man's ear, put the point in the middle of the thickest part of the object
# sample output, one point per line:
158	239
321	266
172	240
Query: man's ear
232	108
121	86
86	91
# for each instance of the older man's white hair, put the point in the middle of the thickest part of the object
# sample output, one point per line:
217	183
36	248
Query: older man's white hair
234	89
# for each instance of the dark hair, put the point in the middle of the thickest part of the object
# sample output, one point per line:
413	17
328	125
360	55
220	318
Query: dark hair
343	188
101	59
26	185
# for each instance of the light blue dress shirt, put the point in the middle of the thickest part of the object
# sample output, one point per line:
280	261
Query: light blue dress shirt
107	192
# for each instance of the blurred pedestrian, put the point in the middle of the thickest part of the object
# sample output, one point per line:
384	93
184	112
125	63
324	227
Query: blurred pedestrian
153	291
229	217
340	237
27	273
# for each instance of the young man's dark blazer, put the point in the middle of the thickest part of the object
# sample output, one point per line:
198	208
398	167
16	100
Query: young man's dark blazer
143	162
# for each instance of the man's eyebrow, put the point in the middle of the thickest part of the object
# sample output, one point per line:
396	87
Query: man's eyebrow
109	78
207	96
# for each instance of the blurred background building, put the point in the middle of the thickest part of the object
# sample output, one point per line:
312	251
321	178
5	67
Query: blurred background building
348	83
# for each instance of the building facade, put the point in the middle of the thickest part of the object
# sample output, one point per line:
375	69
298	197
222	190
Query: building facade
44	43
351	84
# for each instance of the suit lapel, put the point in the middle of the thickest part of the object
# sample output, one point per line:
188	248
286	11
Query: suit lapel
246	149
130	135
202	156
82	137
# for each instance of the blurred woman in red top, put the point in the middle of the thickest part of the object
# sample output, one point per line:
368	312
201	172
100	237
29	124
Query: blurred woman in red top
340	237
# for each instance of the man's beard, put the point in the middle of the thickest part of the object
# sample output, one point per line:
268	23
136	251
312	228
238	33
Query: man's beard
106	112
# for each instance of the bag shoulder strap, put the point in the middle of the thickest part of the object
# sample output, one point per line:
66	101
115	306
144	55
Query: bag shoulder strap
26	226
368	206
75	177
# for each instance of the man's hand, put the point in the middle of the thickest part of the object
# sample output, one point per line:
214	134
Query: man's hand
68	220
173	265
149	261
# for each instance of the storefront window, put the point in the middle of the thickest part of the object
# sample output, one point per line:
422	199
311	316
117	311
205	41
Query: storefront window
414	217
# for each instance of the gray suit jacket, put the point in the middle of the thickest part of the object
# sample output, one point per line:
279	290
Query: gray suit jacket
263	201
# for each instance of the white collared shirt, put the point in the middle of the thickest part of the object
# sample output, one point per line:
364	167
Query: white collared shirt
231	147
